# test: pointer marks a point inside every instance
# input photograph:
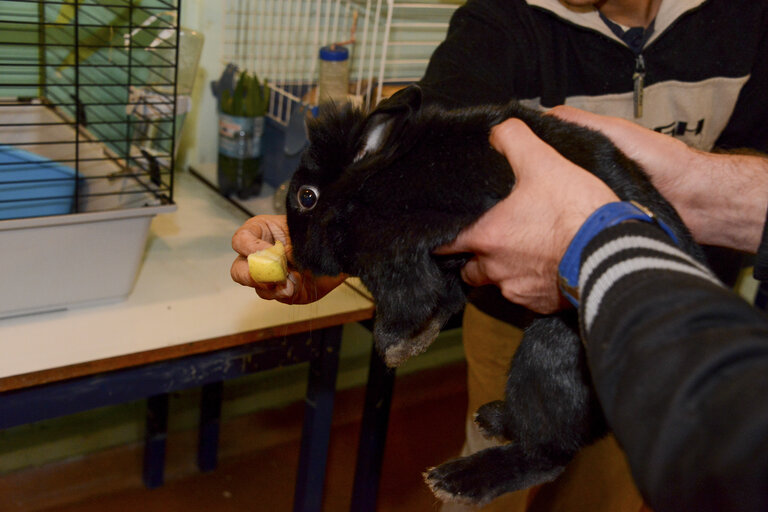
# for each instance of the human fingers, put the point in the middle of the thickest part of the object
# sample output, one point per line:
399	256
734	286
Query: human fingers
651	149
256	234
457	246
286	291
529	157
677	170
527	154
553	185
521	147
623	133
260	232
240	273
590	119
527	289
472	273
517	143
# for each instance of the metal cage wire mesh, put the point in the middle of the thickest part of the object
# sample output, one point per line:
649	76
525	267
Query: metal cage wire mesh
88	108
279	41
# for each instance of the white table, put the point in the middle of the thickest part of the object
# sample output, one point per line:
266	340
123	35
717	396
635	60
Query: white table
183	302
185	324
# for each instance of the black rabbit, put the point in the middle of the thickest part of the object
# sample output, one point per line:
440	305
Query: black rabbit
375	194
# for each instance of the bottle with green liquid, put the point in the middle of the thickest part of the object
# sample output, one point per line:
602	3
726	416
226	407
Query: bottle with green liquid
241	124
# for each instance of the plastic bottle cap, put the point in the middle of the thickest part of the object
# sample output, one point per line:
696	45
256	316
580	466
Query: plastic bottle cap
337	53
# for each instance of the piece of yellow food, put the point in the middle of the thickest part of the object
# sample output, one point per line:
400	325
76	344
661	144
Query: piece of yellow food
269	265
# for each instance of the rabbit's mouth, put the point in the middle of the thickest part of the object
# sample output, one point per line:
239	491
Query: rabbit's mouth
314	253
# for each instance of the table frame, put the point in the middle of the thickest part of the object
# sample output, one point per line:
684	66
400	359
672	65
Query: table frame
154	381
152	373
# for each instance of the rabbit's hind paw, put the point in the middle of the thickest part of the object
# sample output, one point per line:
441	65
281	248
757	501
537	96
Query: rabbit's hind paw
489	419
479	478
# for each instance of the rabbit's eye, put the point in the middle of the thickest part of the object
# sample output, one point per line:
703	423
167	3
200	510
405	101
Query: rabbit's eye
307	197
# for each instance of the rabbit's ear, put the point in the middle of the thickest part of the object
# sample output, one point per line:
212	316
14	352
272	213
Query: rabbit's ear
387	122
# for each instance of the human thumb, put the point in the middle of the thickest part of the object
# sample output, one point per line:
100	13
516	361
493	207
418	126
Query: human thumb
526	153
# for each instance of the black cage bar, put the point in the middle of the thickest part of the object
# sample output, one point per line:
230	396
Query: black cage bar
88	105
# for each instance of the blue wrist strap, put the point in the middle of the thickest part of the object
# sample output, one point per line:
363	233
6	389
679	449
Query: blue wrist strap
604	217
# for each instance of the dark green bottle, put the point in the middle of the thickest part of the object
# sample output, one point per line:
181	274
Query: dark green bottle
239	163
241	124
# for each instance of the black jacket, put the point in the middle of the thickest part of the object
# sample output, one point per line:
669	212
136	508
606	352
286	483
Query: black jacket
706	77
705	68
680	364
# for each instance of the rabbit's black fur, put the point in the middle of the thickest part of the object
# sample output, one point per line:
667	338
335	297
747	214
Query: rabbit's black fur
375	194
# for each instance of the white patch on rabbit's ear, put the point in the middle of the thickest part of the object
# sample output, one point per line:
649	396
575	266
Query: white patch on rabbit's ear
386	124
374	139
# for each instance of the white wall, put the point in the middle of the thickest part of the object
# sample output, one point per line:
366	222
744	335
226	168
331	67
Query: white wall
199	136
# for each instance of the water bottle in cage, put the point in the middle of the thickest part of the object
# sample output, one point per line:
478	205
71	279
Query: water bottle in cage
239	161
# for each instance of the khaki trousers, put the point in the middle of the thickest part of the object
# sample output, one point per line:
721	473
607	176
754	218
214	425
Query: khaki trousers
597	480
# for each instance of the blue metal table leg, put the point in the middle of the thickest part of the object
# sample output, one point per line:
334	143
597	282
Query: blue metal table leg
210	420
155	380
373	434
321	388
155	436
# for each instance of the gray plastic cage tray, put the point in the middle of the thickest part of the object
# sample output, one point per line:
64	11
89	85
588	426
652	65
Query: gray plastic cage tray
55	262
88	117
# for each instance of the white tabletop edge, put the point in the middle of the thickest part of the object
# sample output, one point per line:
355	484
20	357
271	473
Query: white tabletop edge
183	293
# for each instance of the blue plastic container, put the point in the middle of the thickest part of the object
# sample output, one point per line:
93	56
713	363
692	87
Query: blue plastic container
34	186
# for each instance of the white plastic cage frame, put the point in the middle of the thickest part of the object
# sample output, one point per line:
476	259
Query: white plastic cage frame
279	40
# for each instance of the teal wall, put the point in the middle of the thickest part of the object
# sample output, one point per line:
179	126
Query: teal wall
40	45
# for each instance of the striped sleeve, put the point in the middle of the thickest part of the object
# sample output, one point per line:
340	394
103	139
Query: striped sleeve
680	365
628	251
761	259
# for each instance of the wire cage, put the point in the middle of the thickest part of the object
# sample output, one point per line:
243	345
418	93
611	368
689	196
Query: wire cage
87	105
390	43
88	116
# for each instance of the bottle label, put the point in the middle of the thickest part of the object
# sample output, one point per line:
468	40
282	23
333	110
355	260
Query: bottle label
240	137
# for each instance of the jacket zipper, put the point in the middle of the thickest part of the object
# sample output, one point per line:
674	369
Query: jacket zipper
639	79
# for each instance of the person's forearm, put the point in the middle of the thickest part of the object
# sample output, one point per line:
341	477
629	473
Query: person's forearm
730	201
680	365
722	198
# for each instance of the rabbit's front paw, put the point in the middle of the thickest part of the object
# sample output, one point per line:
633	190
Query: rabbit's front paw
396	347
397	354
